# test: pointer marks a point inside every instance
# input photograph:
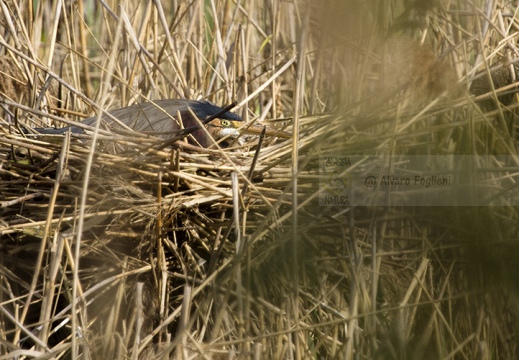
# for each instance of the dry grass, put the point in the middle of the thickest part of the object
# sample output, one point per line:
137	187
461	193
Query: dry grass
206	253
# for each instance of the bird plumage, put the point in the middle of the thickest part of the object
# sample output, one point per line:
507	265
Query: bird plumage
161	118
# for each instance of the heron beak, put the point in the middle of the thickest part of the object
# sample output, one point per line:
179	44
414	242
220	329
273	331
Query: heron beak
256	129
238	130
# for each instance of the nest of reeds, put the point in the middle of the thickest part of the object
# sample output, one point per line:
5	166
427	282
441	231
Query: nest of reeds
183	252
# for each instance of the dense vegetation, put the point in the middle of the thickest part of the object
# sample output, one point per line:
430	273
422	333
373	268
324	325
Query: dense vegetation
184	252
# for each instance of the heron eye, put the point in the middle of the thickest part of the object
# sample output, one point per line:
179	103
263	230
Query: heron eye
225	123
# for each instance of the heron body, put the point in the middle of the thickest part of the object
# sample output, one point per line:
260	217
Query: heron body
165	118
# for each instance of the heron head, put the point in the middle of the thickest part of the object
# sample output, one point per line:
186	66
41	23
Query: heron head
220	128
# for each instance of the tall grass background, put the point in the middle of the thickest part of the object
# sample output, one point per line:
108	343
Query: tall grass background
189	253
